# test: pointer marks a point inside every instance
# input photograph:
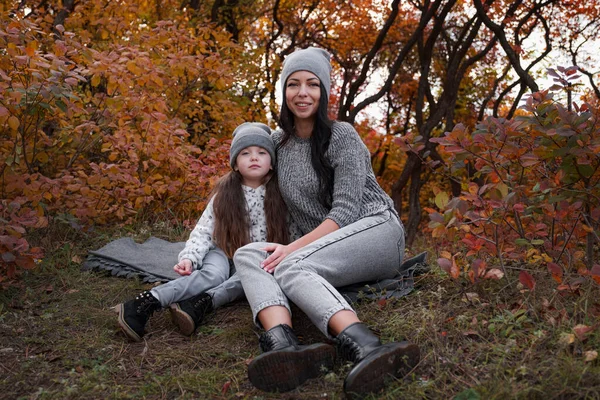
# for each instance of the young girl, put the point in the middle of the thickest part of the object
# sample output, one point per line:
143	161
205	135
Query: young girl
247	207
351	234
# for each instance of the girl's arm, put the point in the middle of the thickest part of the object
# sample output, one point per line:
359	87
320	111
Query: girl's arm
200	241
279	251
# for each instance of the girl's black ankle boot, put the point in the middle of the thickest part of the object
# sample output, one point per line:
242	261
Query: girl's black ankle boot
286	364
134	314
374	362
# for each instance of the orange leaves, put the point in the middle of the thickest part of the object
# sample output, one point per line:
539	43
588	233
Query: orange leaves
13	122
556	271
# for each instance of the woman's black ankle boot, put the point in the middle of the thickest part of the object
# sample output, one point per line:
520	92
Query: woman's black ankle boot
373	362
285	364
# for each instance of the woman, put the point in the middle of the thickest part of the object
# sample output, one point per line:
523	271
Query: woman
351	234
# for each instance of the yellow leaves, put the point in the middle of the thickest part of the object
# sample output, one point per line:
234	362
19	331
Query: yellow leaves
13	122
535	257
157	80
96	80
587	228
220	84
133	68
503	189
11	49
42	157
441	200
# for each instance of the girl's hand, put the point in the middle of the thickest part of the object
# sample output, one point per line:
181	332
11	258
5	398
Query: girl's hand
183	267
278	253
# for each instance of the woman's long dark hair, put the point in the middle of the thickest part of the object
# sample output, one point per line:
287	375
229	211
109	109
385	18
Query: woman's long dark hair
232	223
319	144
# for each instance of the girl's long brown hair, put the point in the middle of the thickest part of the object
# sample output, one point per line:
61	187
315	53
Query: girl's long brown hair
232	224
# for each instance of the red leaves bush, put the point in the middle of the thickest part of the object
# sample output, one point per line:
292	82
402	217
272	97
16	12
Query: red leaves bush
530	192
137	127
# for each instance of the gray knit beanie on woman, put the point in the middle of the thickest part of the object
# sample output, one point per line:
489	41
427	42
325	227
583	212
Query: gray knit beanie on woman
251	134
311	59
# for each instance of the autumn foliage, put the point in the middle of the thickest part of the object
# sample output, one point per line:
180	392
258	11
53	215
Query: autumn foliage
133	130
530	193
116	112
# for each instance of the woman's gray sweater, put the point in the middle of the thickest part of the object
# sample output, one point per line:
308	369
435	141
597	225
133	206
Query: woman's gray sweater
356	193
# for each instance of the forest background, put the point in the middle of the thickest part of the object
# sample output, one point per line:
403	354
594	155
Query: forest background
481	118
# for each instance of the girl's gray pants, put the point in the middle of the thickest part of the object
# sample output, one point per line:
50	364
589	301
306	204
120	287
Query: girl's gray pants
367	250
213	277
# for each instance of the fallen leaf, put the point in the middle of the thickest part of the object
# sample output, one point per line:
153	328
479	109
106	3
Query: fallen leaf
527	280
566	338
445	264
582	331
590	355
494	273
225	387
472	296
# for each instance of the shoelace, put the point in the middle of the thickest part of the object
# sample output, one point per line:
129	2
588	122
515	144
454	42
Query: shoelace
202	304
348	349
146	304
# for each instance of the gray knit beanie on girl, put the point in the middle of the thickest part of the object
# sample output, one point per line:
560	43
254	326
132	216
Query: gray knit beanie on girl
251	134
311	59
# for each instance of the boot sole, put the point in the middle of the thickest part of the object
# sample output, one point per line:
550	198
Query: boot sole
284	370
184	322
130	333
370	374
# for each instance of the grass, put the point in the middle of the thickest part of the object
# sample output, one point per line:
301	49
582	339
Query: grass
59	338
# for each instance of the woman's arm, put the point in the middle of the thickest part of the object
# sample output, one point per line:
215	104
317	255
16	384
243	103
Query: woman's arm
279	251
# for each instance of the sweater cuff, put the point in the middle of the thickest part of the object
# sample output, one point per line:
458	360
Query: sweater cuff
190	257
340	218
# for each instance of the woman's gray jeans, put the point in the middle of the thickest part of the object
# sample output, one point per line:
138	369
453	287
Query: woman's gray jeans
367	250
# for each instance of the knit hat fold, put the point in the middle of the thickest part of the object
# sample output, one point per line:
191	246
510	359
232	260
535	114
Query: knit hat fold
311	59
251	134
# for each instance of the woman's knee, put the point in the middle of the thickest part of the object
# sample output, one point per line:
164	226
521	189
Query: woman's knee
249	256
285	269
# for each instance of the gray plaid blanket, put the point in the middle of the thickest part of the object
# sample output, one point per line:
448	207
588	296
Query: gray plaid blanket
153	260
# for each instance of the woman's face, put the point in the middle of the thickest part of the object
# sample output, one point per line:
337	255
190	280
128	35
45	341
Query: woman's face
302	94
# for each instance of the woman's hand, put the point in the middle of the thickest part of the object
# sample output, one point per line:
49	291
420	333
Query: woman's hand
183	267
278	253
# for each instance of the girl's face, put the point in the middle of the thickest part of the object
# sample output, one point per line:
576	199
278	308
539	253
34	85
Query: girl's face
253	163
302	94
